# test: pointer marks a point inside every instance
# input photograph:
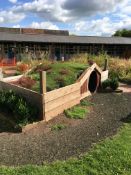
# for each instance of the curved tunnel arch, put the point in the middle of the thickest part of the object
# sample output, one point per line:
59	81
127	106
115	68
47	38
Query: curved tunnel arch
94	81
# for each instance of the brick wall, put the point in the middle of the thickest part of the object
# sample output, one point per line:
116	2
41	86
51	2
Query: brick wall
34	31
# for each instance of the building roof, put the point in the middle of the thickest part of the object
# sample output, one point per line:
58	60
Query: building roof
43	38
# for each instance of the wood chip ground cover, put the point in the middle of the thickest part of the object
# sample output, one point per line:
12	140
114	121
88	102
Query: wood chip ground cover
37	145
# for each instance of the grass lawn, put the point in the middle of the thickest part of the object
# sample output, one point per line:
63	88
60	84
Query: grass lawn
59	74
110	157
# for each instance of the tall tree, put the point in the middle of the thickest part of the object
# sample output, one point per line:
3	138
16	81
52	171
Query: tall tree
123	33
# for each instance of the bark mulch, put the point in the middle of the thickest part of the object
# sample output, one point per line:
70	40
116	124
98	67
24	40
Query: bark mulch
39	144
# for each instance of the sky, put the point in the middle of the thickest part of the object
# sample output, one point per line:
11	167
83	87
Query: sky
80	17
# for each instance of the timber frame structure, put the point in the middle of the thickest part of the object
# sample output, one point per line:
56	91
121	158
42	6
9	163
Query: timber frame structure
53	103
58	44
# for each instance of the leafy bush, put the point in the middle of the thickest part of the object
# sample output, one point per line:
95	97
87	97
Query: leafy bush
76	112
106	83
113	74
35	76
114	84
18	106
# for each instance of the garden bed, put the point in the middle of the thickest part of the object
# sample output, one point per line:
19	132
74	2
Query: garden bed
59	74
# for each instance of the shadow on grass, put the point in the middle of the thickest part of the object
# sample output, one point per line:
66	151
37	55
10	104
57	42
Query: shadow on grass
8	125
127	119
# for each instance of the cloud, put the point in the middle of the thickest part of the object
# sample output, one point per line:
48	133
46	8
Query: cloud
92	17
44	25
126	10
10	17
104	26
89	7
69	10
12	1
17	26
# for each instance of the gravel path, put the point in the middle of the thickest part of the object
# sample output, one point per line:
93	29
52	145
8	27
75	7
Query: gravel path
38	146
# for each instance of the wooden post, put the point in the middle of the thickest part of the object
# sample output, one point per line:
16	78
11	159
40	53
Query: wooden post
106	64
43	82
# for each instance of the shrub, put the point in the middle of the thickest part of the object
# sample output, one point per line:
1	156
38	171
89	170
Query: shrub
26	82
35	76
113	74
106	84
18	106
76	112
22	67
114	84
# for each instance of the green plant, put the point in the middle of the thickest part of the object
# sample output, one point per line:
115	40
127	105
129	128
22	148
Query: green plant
70	71
20	109
35	77
76	112
85	102
114	83
58	127
105	84
60	81
113	74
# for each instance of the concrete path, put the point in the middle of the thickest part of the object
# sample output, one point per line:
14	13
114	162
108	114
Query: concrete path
125	88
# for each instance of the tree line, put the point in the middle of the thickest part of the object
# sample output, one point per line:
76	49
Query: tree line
123	33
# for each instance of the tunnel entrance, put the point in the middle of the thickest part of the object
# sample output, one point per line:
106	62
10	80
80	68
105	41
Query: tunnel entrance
93	82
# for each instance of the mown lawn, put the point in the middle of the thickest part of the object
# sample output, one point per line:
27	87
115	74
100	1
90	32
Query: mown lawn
110	157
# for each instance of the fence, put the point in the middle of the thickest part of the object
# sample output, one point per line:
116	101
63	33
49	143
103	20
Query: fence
7	62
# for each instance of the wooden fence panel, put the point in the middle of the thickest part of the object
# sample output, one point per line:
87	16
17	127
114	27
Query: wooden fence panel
55	102
49	96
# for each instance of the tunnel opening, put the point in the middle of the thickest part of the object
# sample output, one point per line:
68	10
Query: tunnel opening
93	82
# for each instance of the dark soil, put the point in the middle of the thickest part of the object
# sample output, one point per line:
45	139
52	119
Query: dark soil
39	144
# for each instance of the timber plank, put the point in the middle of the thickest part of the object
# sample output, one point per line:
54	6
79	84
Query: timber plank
53	113
49	96
62	100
